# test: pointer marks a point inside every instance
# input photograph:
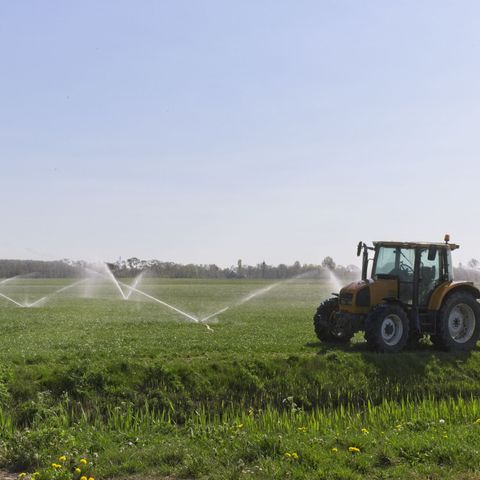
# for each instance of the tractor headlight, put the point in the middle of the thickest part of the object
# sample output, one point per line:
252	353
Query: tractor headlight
346	298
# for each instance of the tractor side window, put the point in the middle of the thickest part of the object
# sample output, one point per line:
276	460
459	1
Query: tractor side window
449	265
429	275
406	264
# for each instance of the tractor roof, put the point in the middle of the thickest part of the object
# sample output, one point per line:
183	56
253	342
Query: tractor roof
450	246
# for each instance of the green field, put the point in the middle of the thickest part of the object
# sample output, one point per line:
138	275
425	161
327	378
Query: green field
138	390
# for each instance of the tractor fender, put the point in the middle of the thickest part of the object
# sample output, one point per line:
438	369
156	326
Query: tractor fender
446	289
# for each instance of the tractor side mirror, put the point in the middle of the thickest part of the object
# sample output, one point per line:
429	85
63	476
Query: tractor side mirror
359	248
432	254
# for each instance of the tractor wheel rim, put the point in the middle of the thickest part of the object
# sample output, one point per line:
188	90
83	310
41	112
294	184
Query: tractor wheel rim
461	323
392	329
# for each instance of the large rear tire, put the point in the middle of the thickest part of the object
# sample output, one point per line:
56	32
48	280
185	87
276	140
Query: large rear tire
327	327
387	328
458	327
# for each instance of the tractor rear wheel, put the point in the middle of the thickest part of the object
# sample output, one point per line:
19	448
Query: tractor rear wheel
327	327
458	327
387	328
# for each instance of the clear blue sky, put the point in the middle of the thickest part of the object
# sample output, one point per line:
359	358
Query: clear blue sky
207	131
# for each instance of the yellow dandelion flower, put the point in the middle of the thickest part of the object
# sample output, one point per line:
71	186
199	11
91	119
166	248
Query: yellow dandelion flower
63	458
83	478
353	449
77	470
477	421
334	449
288	455
365	431
83	460
295	455
91	478
302	429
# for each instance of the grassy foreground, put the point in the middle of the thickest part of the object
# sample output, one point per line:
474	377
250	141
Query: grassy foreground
136	390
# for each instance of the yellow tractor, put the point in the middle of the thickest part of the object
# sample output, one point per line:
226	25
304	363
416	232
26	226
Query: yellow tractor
410	293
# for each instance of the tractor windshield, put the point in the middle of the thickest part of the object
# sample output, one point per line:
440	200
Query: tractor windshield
394	261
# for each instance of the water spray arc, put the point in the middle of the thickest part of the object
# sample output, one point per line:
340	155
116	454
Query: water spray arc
12	300
7	280
56	292
247	298
135	284
133	288
161	302
10	279
334	281
215	314
111	276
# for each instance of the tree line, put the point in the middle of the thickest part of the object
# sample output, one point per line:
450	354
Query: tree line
132	267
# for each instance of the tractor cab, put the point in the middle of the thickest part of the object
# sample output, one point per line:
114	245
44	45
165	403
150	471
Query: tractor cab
409	292
418	268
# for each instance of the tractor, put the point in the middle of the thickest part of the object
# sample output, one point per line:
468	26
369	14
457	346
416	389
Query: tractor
410	293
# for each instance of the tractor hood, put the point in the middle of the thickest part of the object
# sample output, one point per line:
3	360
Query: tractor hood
354	286
358	297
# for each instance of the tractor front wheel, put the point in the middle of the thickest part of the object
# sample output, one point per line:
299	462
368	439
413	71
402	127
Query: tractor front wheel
327	327
387	328
458	327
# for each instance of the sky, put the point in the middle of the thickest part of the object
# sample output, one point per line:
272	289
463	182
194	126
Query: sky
211	131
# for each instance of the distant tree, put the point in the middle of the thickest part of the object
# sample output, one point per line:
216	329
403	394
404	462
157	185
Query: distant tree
263	267
328	263
473	263
133	263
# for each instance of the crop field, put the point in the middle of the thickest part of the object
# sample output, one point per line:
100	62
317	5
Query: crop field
139	390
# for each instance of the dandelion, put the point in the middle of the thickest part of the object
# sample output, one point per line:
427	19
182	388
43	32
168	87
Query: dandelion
83	478
477	421
288	455
302	429
83	461
78	471
353	450
56	466
295	455
365	431
91	478
63	458
334	449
